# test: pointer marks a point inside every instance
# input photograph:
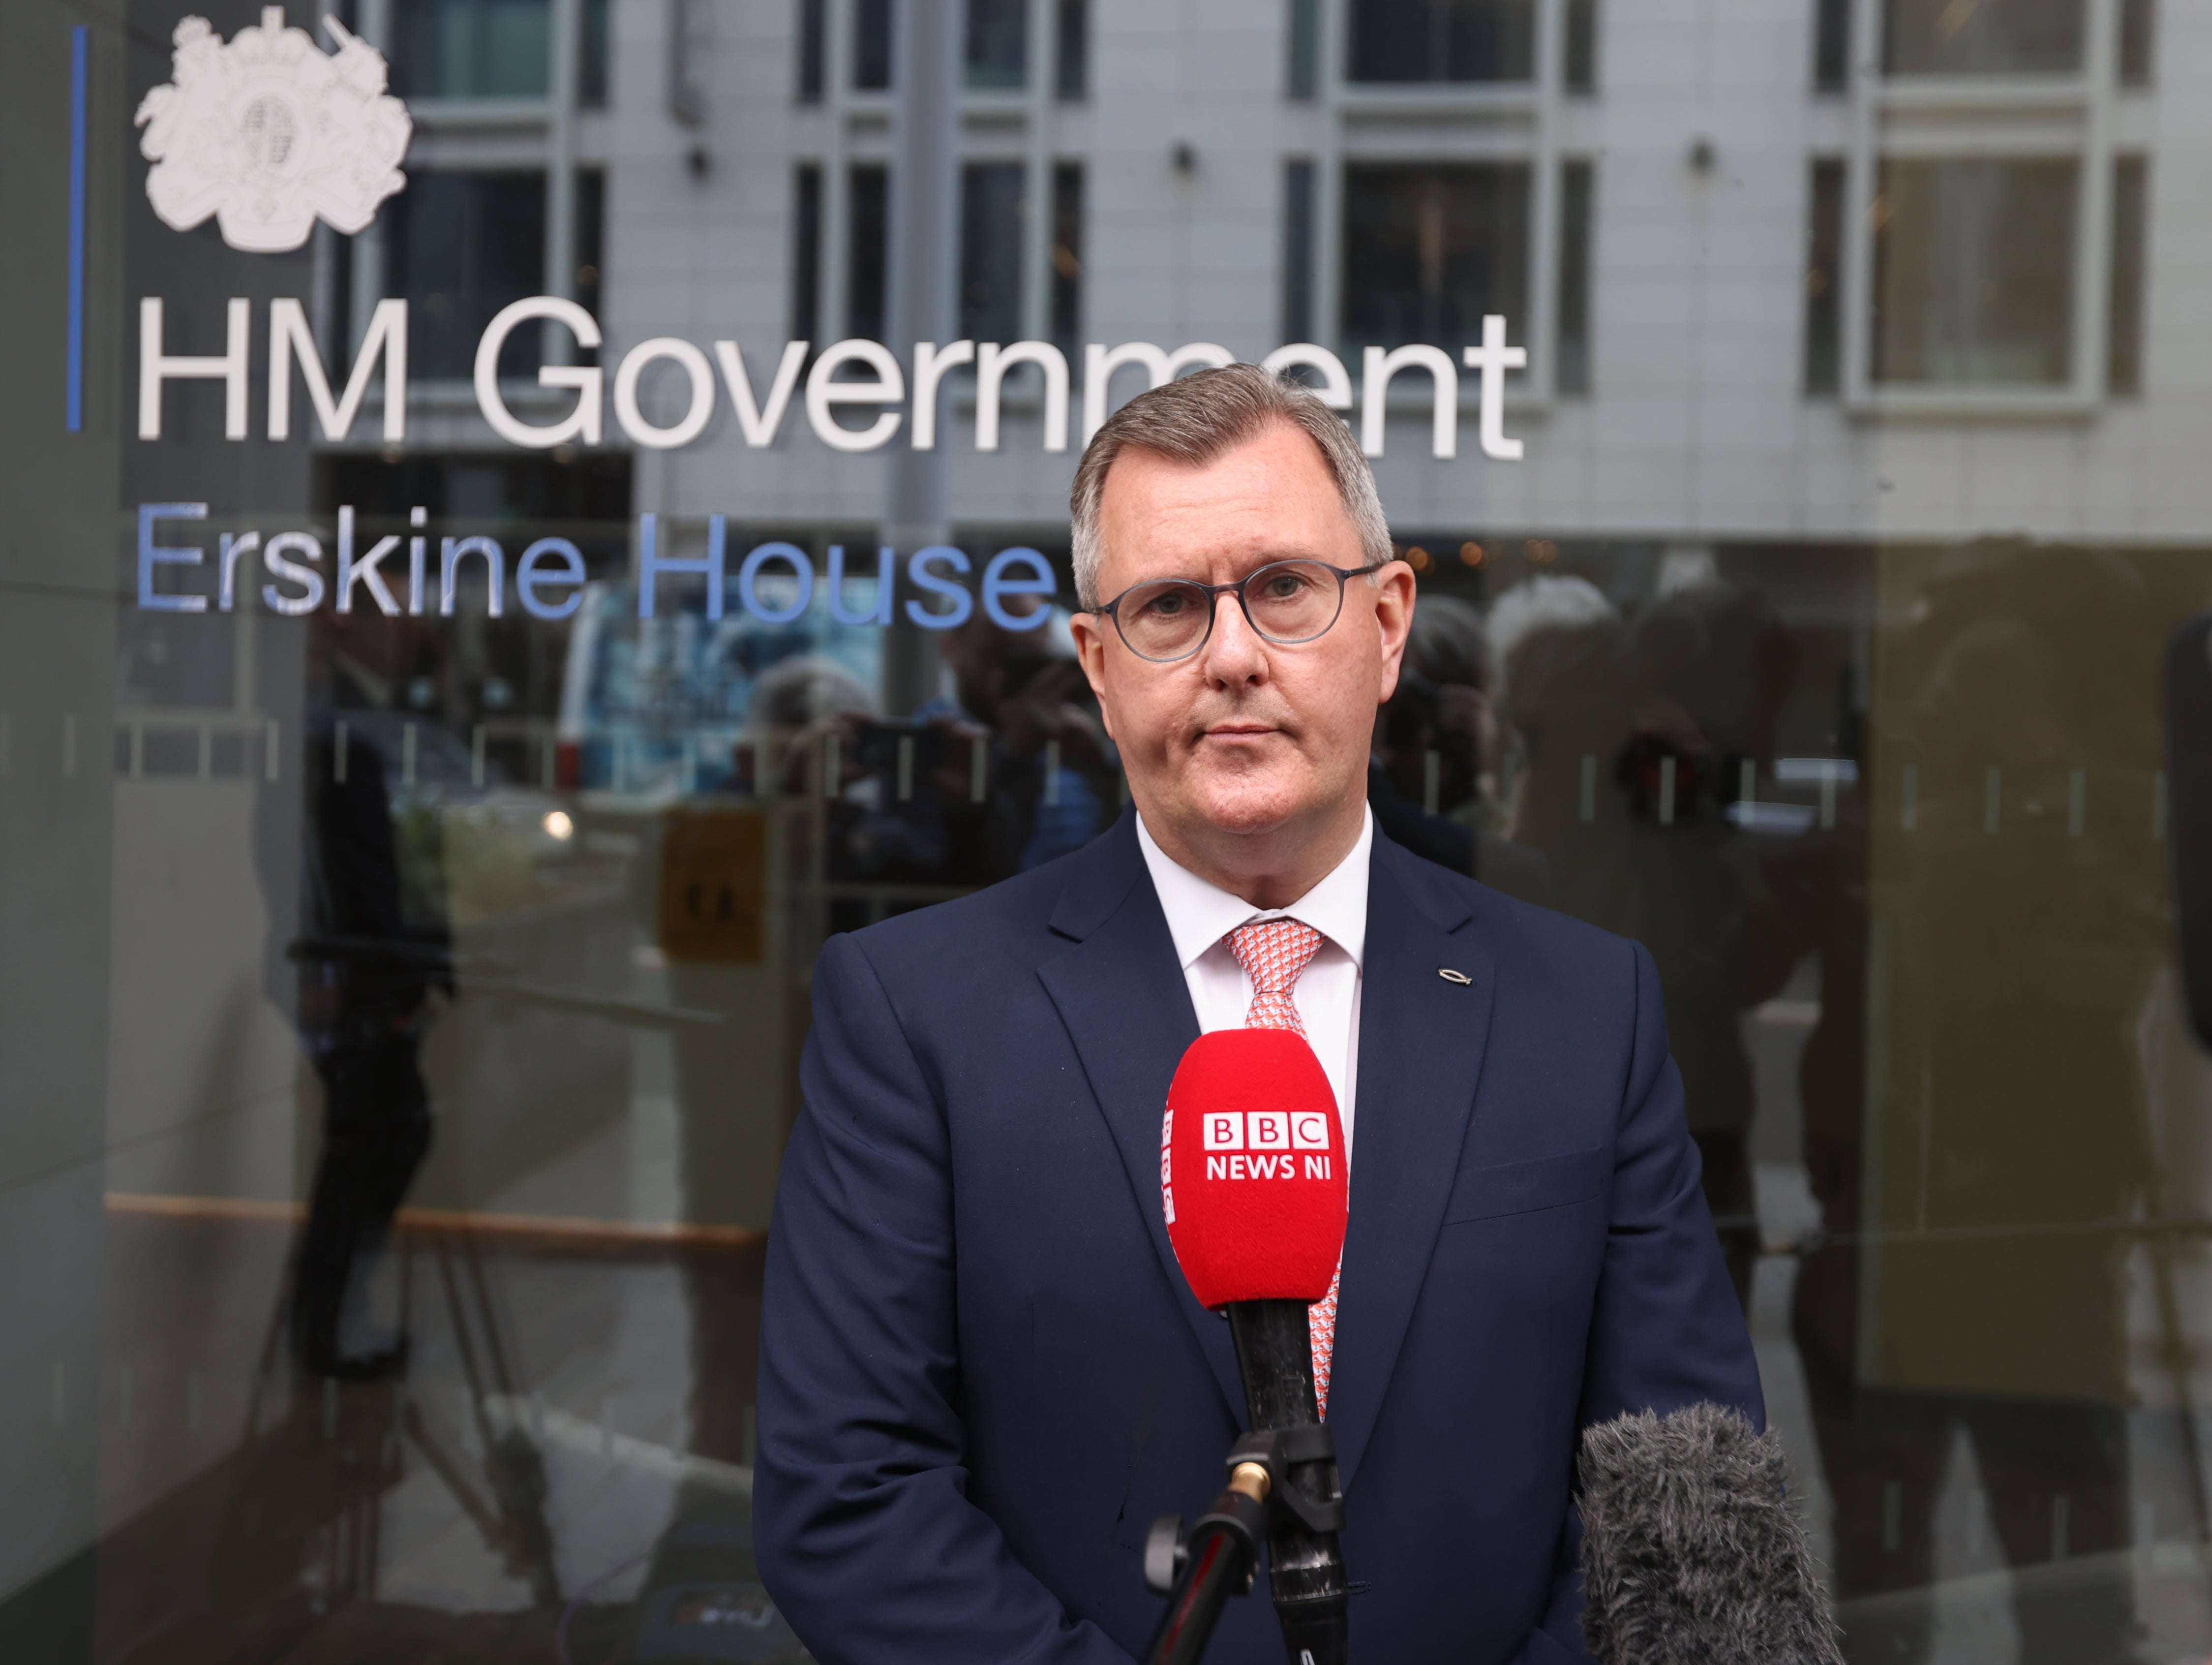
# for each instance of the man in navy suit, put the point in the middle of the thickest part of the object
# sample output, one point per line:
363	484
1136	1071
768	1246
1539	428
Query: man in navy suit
982	1375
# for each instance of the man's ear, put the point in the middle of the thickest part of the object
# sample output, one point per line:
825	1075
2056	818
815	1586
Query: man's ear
1091	651
1394	620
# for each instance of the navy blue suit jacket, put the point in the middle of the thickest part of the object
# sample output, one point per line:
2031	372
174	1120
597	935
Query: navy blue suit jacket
982	1375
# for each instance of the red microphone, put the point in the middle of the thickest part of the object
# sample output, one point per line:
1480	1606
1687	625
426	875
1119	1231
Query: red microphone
1252	1169
1254	1187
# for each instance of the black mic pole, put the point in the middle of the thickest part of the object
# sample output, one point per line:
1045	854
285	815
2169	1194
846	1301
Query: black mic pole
1199	1574
1282	1487
1274	1351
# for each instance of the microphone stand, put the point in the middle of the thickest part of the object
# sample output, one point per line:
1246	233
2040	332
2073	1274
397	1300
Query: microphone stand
1200	1573
1283	1488
1274	1355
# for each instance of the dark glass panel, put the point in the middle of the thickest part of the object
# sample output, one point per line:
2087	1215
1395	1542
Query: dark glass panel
457	248
993	204
868	250
1401	40
1974	272
1429	248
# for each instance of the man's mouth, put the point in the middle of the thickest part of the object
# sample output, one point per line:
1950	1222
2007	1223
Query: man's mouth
1241	731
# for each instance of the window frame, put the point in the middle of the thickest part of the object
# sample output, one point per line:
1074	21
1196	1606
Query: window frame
1521	122
1920	117
558	135
1023	125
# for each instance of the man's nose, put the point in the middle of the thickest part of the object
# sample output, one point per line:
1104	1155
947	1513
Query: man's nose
1235	654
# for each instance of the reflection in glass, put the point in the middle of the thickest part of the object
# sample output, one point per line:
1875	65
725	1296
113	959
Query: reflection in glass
993	204
1429	248
469	48
457	249
2137	39
1304	65
806	251
1067	257
1072	37
1974	272
1297	249
1578	183
1401	41
867	249
1021	771
1977	1130
872	45
2124	320
1983	37
1824	255
367	970
998	43
1582	45
813	49
1832	45
1888	818
591	67
1444	759
590	257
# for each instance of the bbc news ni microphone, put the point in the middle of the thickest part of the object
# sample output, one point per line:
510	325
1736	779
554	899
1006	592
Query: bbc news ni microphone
1692	1549
1253	1183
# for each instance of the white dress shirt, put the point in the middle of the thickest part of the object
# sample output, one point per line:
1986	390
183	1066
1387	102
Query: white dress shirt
1200	915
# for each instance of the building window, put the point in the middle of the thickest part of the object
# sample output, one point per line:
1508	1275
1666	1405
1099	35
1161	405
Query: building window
1067	257
1973	277
813	49
2135	42
457	249
1429	248
591	241
1298	250
872	45
469	48
1072	45
1576	184
1304	68
1824	256
806	251
998	43
1994	37
1463	40
1582	45
591	65
868	250
993	203
491	49
2124	349
1832	45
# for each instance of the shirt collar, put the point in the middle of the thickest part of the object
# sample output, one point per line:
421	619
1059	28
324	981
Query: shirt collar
1201	914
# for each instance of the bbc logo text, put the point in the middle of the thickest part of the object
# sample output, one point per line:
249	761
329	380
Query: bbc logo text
1266	1129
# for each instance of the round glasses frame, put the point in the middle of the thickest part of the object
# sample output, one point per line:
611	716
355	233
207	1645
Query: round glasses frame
1212	593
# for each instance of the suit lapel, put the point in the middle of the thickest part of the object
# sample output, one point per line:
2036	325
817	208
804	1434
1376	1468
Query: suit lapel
1421	1042
1120	989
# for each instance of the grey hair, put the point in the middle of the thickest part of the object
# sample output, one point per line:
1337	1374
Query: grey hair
1196	419
801	690
1548	601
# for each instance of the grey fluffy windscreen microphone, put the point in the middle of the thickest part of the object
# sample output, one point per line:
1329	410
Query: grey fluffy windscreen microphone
1692	1549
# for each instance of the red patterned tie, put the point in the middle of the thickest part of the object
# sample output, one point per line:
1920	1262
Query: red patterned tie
1273	953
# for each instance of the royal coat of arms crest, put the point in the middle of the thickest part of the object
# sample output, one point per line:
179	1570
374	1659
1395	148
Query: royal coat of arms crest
268	132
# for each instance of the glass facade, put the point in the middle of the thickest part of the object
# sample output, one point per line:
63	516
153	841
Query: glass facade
492	584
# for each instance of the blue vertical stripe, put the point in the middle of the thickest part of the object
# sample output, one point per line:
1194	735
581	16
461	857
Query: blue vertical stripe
78	47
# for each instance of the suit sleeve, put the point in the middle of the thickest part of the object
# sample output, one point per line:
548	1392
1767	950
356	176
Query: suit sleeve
1666	1331
865	1535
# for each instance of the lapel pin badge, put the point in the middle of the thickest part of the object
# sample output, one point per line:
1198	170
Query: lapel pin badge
1451	976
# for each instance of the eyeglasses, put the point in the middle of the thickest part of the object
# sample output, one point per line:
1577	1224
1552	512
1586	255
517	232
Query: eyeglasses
1285	602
